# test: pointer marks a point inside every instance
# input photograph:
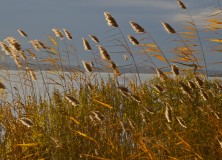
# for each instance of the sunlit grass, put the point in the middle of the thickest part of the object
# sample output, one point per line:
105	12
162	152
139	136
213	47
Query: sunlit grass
174	115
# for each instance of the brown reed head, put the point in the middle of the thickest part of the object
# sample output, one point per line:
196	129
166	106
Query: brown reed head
67	34
175	70
104	54
13	43
87	66
5	48
160	74
26	121
86	45
199	81
181	4
185	88
168	28
72	100
115	69
22	33
136	27
94	38
110	20
57	32
133	40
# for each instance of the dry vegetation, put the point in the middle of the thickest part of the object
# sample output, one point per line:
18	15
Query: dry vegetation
172	116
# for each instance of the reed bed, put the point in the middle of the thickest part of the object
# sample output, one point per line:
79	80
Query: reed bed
175	115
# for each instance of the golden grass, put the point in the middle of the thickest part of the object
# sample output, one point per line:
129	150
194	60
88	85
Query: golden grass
92	118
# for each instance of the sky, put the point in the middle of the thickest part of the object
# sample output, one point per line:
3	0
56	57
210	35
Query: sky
83	17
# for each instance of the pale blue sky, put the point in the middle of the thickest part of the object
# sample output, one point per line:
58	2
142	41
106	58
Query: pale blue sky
83	17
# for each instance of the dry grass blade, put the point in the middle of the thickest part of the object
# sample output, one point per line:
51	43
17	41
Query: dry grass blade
104	104
168	114
181	122
87	66
110	20
168	28
136	27
72	100
86	45
133	40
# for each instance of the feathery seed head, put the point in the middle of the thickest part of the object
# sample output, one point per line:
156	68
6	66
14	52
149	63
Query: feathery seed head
198	81
87	66
160	74
136	27
168	28
191	85
68	34
181	4
13	43
158	88
72	100
104	54
26	121
175	70
110	20
94	38
185	88
22	33
133	40
86	45
57	33
5	48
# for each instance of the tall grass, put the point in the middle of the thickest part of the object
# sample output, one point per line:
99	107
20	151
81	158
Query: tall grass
175	115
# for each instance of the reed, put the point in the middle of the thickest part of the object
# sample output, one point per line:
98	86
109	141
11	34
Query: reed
86	117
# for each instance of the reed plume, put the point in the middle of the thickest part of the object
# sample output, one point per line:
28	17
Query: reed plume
13	43
175	70
87	66
57	33
160	74
110	20
72	100
168	28
5	48
136	27
94	38
67	34
26	121
104	54
133	40
181	4
86	45
22	33
2	86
